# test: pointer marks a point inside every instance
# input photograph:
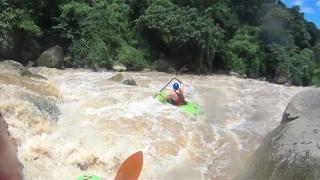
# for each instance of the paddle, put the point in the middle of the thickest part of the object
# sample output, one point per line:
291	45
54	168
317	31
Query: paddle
131	167
183	68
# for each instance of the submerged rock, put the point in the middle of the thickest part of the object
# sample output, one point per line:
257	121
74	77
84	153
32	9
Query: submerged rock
118	77
292	150
10	167
129	81
45	105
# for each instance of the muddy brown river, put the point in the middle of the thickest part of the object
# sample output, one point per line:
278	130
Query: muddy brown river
101	122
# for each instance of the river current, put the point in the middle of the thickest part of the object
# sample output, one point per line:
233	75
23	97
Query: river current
100	122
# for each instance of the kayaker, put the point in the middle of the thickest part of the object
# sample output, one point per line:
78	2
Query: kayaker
176	97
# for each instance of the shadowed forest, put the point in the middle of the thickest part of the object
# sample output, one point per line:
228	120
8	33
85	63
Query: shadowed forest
261	39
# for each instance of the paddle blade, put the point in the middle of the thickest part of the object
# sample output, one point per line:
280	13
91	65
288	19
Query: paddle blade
131	167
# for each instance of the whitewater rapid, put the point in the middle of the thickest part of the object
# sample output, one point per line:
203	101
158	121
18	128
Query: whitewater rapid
101	122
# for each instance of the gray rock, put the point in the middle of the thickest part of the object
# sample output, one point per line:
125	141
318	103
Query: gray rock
30	64
161	65
232	73
244	76
292	150
118	77
281	77
52	58
119	67
14	68
147	70
172	70
129	81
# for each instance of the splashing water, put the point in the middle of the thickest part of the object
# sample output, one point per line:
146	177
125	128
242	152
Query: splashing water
101	122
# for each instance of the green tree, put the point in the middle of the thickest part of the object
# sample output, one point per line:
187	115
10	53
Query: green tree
302	68
95	31
298	28
244	53
275	24
223	14
18	28
248	10
316	51
181	28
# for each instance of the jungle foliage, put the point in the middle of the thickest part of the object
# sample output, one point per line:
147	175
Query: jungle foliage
259	38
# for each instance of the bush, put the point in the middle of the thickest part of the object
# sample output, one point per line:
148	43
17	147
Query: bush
244	53
182	29
235	63
95	31
132	58
316	76
18	29
302	68
91	53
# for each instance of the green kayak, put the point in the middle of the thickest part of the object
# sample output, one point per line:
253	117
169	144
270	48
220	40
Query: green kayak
88	178
189	108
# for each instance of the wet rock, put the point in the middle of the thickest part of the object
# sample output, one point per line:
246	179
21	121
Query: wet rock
30	64
119	67
281	77
10	167
147	70
129	81
11	67
172	70
14	68
244	76
40	87
232	73
292	150
52	58
118	77
161	65
45	105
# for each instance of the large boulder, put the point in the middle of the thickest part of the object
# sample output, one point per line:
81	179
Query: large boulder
52	58
10	167
292	150
17	69
281	77
14	68
162	65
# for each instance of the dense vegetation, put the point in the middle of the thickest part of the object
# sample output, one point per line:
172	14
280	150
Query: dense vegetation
259	38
